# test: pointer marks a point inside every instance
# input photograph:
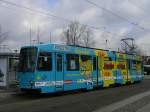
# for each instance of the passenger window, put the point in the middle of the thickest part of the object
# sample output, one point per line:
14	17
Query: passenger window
59	62
86	63
72	62
108	65
45	61
134	64
121	65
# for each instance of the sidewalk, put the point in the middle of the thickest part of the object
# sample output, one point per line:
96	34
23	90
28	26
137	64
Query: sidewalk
137	103
146	108
146	76
7	92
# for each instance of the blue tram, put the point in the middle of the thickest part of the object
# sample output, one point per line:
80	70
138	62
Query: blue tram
52	68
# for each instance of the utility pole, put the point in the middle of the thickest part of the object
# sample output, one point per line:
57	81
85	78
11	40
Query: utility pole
30	34
50	37
68	41
106	44
0	29
38	35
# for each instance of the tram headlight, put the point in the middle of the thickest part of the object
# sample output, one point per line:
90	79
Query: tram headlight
38	77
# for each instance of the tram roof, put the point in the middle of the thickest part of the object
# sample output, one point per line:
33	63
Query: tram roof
77	46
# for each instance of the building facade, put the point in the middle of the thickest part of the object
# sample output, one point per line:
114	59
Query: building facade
8	67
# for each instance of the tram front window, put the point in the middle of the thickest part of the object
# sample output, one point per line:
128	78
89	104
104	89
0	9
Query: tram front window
28	57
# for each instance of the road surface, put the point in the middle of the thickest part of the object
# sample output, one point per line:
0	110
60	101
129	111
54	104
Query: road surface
77	101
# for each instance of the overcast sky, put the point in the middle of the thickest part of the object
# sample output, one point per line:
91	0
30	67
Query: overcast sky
18	20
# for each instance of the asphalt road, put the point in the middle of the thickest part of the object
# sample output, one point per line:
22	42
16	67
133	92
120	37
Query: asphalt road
77	101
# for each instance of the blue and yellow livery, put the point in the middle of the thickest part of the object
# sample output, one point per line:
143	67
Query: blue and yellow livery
52	68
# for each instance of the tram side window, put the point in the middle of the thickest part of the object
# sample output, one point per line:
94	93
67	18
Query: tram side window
45	61
139	65
86	62
134	65
85	58
72	62
121	66
108	63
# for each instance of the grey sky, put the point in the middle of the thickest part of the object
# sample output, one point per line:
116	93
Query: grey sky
17	21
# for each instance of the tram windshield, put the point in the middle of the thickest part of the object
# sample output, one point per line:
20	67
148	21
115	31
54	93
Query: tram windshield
28	58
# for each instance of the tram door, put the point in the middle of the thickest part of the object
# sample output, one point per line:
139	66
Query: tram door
95	72
128	69
59	72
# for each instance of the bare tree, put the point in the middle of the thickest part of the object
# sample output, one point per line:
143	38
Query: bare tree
3	35
73	33
88	40
77	34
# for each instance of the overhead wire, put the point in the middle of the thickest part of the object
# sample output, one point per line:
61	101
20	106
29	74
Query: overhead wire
138	6
116	15
48	14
